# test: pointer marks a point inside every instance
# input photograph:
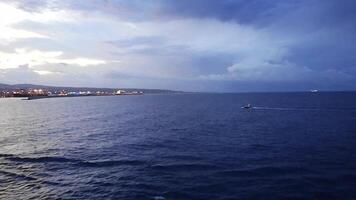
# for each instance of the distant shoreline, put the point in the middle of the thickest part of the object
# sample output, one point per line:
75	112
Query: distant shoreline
63	96
29	90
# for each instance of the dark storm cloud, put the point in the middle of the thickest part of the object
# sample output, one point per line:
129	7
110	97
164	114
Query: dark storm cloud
327	33
292	15
241	11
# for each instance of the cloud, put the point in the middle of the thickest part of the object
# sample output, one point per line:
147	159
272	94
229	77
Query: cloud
209	44
10	16
43	72
23	72
35	57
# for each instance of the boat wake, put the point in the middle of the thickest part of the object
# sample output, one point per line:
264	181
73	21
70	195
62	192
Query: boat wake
277	108
303	109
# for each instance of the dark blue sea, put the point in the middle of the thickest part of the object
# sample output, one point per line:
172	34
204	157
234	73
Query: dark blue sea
180	147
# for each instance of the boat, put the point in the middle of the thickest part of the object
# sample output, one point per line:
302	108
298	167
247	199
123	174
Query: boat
248	106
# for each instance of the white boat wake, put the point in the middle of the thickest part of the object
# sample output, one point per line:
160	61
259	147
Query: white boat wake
301	109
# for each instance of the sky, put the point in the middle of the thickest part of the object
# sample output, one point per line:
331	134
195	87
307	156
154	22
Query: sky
191	45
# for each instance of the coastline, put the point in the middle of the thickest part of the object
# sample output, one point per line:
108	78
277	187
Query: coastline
63	96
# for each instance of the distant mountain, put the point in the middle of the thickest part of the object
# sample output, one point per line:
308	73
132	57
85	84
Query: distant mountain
3	86
77	89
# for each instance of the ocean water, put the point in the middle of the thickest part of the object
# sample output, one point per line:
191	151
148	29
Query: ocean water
180	146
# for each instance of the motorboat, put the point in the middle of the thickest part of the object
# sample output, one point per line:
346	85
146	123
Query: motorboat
248	106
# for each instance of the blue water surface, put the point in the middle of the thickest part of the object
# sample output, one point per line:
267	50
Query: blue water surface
180	146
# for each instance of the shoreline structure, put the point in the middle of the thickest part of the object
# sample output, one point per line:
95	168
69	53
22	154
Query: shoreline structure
41	91
92	95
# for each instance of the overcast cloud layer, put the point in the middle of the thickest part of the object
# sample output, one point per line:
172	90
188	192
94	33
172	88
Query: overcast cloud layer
193	45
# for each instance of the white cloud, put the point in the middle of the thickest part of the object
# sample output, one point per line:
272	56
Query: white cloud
43	72
10	16
9	35
36	58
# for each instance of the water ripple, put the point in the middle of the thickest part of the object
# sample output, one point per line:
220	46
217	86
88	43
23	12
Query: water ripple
81	163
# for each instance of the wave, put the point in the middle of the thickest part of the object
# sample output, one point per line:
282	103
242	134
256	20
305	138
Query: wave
265	171
182	157
15	176
18	176
159	198
5	155
77	162
185	167
40	159
260	147
109	163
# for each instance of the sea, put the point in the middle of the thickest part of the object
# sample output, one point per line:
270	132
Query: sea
180	147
